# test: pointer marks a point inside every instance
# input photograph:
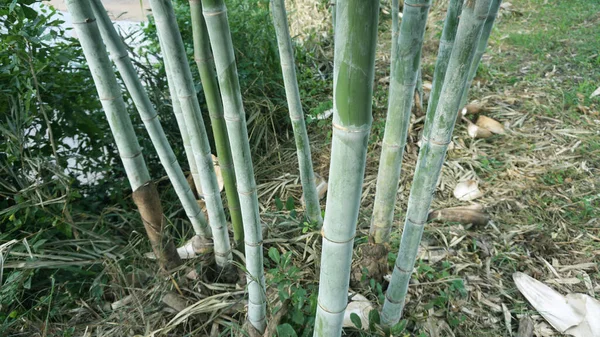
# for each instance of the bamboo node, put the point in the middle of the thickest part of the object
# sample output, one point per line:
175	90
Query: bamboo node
184	97
252	244
361	129
149	119
253	190
203	59
402	270
235	118
339	242
120	57
214	13
418	223
215	116
387	297
87	20
426	140
225	254
392	145
329	311
131	156
428	4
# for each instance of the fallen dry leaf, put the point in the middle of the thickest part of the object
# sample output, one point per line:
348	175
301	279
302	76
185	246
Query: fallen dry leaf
490	124
478	132
467	190
361	306
574	314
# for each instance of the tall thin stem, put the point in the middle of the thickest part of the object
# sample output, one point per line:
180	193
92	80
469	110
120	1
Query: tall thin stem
175	56
215	14
145	195
395	33
431	156
443	56
185	137
481	46
149	116
204	61
288	68
354	68
407	60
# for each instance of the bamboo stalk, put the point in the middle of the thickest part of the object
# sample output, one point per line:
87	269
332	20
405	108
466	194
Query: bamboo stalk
204	61
140	98
481	46
431	156
395	33
145	195
441	63
354	59
401	94
185	137
175	56
215	14
288	68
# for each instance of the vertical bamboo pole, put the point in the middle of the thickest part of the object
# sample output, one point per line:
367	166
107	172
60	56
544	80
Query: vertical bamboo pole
215	14
481	46
395	33
431	156
145	195
175	56
401	94
292	93
443	56
354	61
204	60
149	116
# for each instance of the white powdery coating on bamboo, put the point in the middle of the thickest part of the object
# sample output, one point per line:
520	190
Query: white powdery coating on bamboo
175	56
149	117
110	95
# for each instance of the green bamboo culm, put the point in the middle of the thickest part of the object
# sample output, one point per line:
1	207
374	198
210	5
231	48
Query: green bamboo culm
204	61
185	137
215	14
145	194
354	68
481	46
431	156
406	64
288	68
120	57
395	33
175	56
443	56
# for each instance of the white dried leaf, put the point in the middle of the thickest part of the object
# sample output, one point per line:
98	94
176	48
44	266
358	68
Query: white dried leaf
477	132
574	314
361	306
467	190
